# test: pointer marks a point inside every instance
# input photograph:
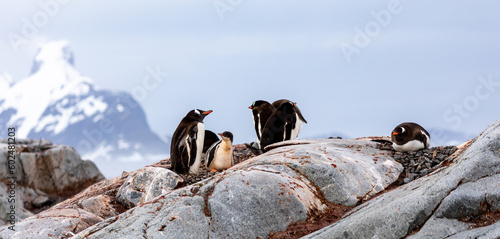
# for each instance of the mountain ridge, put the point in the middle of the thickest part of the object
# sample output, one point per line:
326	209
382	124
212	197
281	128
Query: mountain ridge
56	102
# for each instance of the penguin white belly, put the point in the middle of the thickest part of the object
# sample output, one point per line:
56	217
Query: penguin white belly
298	127
259	127
223	159
409	146
199	148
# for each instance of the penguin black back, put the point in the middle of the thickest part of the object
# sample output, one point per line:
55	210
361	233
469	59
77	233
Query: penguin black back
261	111
210	138
187	142
278	103
279	126
410	136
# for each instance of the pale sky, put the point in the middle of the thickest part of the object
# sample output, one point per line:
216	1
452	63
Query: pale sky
354	67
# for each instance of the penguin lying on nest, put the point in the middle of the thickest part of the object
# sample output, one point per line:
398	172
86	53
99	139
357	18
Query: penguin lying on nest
410	136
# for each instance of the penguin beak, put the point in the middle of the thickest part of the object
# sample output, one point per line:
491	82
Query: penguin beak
395	133
250	107
207	112
223	137
294	103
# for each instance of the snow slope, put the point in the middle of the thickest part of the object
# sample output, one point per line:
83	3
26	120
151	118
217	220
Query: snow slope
56	102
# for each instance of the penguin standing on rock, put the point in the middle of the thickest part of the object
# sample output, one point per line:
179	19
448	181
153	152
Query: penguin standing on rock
280	125
410	137
187	142
261	111
299	118
220	155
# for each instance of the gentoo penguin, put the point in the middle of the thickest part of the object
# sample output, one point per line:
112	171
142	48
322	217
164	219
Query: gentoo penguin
299	121
220	155
210	138
410	137
280	125
261	111
187	142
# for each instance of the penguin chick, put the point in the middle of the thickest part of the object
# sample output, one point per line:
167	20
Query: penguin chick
261	111
187	142
300	118
410	136
280	125
220	155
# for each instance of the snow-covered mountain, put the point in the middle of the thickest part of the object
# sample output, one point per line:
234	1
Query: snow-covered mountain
55	102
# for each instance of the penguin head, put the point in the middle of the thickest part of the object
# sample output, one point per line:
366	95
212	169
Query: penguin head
287	107
198	115
227	136
258	104
399	133
279	103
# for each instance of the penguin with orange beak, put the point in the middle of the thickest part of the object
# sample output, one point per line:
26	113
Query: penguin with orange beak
187	143
261	111
410	136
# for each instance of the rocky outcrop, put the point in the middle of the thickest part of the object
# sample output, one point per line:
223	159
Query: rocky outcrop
254	198
459	200
42	174
292	183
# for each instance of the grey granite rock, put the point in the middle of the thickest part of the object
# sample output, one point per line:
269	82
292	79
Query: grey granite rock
346	171
259	196
488	232
52	224
148	183
259	200
468	200
6	215
40	170
99	205
430	199
53	169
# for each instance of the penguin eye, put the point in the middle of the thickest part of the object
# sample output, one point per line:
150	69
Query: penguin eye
402	129
197	112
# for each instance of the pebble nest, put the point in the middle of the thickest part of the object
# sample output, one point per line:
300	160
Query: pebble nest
241	152
416	164
421	162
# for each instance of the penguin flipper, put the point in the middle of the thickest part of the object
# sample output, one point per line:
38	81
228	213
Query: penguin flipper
191	141
210	154
178	152
381	141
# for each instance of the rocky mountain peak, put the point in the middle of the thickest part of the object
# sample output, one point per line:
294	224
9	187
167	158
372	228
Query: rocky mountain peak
54	52
56	102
